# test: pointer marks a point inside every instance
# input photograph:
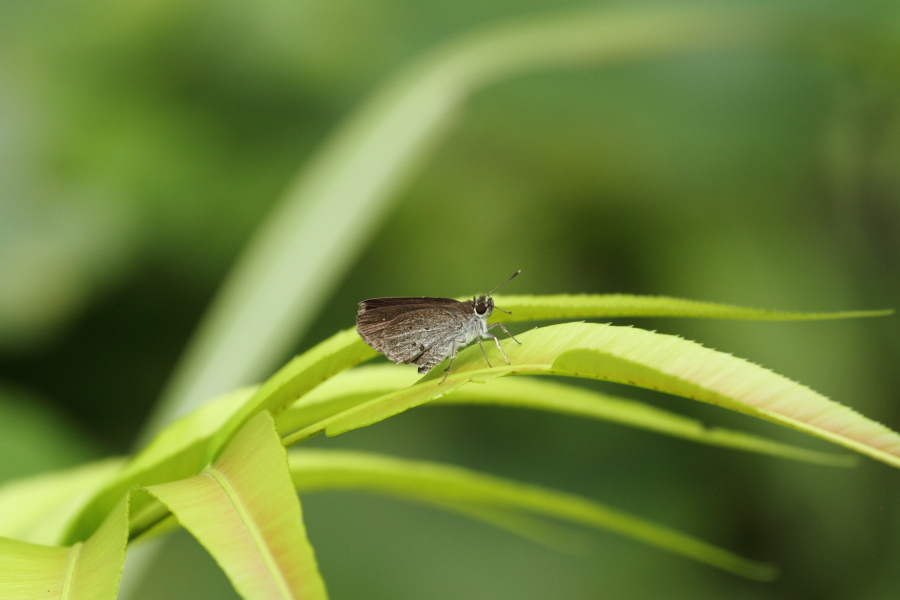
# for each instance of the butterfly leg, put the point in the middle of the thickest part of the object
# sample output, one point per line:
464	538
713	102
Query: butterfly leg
506	331
484	353
452	358
496	341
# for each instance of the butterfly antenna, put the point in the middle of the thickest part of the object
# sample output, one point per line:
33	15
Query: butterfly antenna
504	283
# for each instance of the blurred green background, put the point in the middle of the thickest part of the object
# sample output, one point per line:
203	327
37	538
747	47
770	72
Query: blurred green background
142	143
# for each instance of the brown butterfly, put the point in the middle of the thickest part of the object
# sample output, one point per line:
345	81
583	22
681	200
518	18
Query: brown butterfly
424	331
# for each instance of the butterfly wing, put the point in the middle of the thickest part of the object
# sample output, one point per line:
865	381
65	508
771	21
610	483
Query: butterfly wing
410	303
404	329
437	352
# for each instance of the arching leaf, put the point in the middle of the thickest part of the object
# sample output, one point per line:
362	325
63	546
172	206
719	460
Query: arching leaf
359	385
469	492
645	359
196	439
87	570
177	452
606	306
37	509
244	511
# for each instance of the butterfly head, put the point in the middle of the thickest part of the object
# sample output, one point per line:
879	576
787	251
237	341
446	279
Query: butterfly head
484	306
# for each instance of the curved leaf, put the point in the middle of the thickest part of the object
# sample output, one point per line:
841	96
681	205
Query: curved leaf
605	306
460	489
338	198
244	511
37	509
645	359
346	390
527	392
178	451
193	441
339	352
359	385
86	571
183	448
345	349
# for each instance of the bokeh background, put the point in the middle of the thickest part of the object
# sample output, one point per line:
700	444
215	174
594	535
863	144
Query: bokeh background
142	144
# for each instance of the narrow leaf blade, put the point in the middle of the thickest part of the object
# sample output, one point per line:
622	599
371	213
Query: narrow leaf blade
85	571
528	392
605	306
176	452
38	509
317	230
339	352
244	511
645	359
357	386
445	486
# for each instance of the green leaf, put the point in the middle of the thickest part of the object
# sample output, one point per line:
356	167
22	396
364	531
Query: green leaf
182	449
356	386
85	571
38	509
177	452
539	530
302	374
585	306
244	511
460	489
345	349
346	390
645	359
527	392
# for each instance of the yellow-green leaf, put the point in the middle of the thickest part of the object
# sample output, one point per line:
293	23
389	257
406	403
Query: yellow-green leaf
529	392
85	571
356	386
346	390
37	509
486	496
605	306
178	451
645	359
244	511
326	359
339	197
345	349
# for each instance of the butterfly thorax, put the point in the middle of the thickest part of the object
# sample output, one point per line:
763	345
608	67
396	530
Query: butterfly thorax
480	309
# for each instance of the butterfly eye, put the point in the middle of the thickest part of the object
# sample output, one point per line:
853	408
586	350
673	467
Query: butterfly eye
481	308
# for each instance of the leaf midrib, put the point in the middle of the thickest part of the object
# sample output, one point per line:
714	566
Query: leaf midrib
69	573
256	536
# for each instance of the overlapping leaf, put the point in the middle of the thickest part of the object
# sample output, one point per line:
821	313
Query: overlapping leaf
176	452
38	509
606	306
645	359
345	349
357	386
206	432
618	354
84	571
338	198
244	511
488	497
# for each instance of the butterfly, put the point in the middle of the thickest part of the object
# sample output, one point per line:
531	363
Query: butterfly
424	331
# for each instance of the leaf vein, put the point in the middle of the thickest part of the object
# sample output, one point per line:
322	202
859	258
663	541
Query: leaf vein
256	536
